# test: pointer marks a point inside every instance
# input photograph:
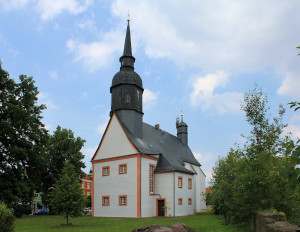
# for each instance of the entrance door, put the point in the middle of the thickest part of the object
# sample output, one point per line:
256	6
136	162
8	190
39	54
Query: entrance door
160	204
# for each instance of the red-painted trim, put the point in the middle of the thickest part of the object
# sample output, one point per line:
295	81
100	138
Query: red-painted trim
109	123
103	200
103	170
126	135
153	165
190	201
190	183
120	200
179	199
150	157
120	173
115	158
93	181
138	205
102	139
187	173
157	205
180	185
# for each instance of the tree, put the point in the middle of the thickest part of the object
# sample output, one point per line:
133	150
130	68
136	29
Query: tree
7	218
22	138
248	178
67	198
62	147
88	201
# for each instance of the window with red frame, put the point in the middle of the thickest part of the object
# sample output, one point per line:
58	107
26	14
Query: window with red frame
105	200
105	170
190	201
151	179
122	168
123	200
179	201
190	183
179	181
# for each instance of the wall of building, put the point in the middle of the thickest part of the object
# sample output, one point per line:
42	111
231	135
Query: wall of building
184	193
164	185
114	185
148	202
115	142
199	187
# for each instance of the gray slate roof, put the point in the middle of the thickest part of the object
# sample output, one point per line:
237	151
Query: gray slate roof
172	151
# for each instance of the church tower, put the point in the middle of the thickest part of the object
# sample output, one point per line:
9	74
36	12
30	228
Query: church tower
127	91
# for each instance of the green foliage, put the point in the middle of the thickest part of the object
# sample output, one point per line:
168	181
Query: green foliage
88	201
62	147
248	178
67	197
22	139
7	218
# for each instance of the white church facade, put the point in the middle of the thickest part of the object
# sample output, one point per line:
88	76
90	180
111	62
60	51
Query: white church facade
140	170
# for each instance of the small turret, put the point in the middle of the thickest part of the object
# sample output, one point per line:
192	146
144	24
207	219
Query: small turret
182	130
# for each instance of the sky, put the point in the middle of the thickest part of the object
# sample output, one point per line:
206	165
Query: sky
196	56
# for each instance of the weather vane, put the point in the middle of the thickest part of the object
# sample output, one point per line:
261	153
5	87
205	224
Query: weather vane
128	16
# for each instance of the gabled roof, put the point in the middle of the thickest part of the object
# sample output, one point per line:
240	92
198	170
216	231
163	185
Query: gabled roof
173	153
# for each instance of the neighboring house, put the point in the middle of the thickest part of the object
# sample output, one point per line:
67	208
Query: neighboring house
86	184
140	170
37	202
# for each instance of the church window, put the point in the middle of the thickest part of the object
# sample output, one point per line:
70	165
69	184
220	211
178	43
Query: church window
105	200
123	200
88	185
82	185
179	181
127	99
190	201
179	201
88	193
105	171
138	95
151	179
190	183
122	168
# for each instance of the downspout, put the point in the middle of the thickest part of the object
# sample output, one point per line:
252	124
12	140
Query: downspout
174	194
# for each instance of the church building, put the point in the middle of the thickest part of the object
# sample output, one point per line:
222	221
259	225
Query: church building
140	170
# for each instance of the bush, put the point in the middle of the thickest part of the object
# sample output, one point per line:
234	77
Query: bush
7	218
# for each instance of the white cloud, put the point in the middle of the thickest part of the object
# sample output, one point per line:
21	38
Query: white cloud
89	152
294	129
102	126
149	98
204	93
100	53
241	36
203	158
54	75
50	8
290	86
13	4
44	99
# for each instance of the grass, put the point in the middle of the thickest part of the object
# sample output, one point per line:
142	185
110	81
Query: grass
204	222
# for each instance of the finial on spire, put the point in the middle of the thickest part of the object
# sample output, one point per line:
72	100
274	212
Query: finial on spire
181	116
128	19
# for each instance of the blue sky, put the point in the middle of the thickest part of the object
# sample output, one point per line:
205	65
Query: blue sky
195	56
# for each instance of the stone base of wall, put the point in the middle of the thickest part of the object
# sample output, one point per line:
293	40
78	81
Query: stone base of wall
272	222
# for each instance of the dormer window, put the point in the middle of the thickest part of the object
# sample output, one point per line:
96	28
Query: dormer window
127	99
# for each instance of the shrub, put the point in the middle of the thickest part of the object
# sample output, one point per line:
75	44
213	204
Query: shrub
7	218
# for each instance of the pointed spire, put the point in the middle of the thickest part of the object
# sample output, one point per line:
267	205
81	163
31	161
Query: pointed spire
127	46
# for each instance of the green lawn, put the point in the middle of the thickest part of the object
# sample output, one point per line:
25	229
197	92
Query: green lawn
204	222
